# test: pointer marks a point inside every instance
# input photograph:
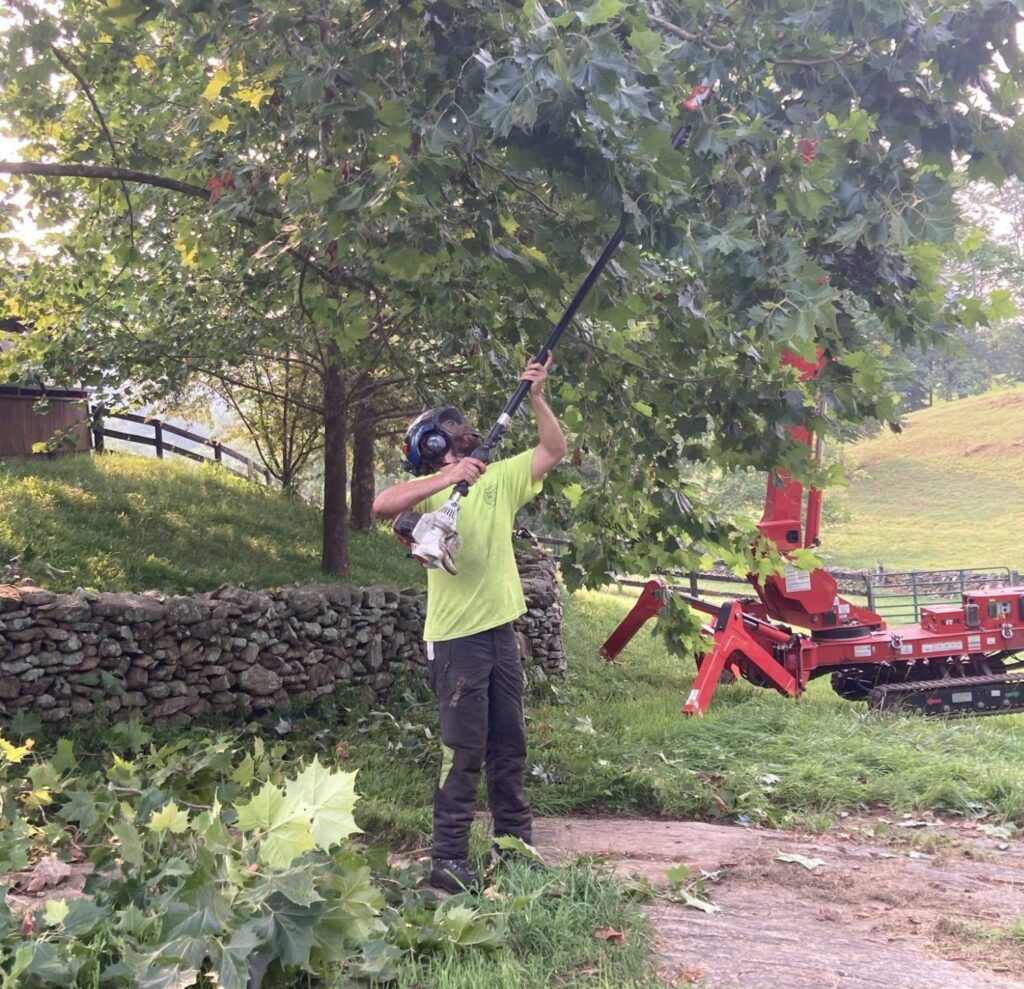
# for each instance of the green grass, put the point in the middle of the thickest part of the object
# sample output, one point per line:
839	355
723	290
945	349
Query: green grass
946	492
612	740
551	922
120	522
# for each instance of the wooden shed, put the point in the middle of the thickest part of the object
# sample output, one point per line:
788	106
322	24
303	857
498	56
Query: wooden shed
66	418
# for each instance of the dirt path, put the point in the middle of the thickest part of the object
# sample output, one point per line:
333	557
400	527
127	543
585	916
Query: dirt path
928	905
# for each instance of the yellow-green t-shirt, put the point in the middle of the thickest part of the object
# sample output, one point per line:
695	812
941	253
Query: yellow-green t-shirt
486	591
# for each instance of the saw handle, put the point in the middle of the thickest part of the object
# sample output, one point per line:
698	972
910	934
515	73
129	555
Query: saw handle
483	452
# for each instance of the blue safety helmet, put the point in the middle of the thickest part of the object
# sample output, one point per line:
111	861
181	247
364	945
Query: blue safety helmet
430	436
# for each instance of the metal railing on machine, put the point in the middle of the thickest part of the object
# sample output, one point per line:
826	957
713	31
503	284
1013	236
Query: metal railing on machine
896	595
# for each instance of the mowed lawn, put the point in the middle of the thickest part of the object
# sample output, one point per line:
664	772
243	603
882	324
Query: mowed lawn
946	492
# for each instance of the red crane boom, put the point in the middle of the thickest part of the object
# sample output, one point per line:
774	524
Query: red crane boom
959	659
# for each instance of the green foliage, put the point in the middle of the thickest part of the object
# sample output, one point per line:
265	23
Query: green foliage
175	830
408	192
121	522
194	874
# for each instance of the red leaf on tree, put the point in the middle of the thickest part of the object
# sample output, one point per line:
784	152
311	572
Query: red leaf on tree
217	185
808	148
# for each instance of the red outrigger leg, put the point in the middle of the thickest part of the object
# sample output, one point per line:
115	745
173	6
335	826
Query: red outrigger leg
738	639
650	602
735	641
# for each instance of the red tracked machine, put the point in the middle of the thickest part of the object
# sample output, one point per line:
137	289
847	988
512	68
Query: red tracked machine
963	659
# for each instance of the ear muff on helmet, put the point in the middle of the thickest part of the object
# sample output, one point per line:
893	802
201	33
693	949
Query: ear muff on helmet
429	437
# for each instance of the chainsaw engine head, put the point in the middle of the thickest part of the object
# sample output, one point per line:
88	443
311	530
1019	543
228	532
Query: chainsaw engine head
431	435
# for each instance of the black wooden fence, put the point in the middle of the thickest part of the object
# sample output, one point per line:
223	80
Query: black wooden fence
162	441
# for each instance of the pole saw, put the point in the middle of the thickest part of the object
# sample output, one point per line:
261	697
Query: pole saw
432	537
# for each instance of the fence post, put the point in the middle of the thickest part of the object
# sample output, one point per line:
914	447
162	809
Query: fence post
217	455
693	583
870	593
98	412
913	591
158	433
266	475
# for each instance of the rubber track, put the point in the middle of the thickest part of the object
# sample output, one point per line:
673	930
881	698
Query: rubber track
887	696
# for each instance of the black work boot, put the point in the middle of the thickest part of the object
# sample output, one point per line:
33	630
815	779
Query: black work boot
453	876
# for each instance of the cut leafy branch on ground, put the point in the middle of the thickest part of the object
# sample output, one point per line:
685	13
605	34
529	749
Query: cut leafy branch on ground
219	855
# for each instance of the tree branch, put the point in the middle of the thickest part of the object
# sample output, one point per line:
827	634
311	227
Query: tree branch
70	66
333	276
729	48
852	50
695	39
248	386
106	172
519	184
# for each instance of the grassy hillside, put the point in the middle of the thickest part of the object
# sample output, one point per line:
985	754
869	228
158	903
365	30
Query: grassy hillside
946	492
121	522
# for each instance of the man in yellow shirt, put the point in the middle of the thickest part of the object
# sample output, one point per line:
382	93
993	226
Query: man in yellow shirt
472	654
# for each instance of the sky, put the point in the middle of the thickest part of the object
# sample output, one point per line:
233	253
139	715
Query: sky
23	225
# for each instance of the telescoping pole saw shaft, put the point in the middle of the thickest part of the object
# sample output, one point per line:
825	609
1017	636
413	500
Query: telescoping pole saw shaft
435	542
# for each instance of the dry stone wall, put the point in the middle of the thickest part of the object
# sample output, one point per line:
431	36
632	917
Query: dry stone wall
230	651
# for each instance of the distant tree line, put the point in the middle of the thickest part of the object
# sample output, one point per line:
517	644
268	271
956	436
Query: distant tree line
987	348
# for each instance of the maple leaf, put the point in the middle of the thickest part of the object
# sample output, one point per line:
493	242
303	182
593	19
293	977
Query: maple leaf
217	82
54	912
15	753
254	95
188	254
329	798
280	823
220	125
170	818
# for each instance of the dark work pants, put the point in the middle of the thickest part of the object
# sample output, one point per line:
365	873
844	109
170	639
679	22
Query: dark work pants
478	681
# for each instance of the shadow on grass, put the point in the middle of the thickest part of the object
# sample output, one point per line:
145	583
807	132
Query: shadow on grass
119	522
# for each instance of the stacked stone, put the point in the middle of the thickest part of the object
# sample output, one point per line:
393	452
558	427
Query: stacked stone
229	651
541	626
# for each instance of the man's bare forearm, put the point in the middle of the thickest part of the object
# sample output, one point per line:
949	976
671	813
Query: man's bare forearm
551	446
549	430
402	497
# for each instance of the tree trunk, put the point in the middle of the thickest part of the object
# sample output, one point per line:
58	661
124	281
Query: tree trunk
335	534
363	481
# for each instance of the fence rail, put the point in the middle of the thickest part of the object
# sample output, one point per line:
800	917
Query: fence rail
221	454
897	596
